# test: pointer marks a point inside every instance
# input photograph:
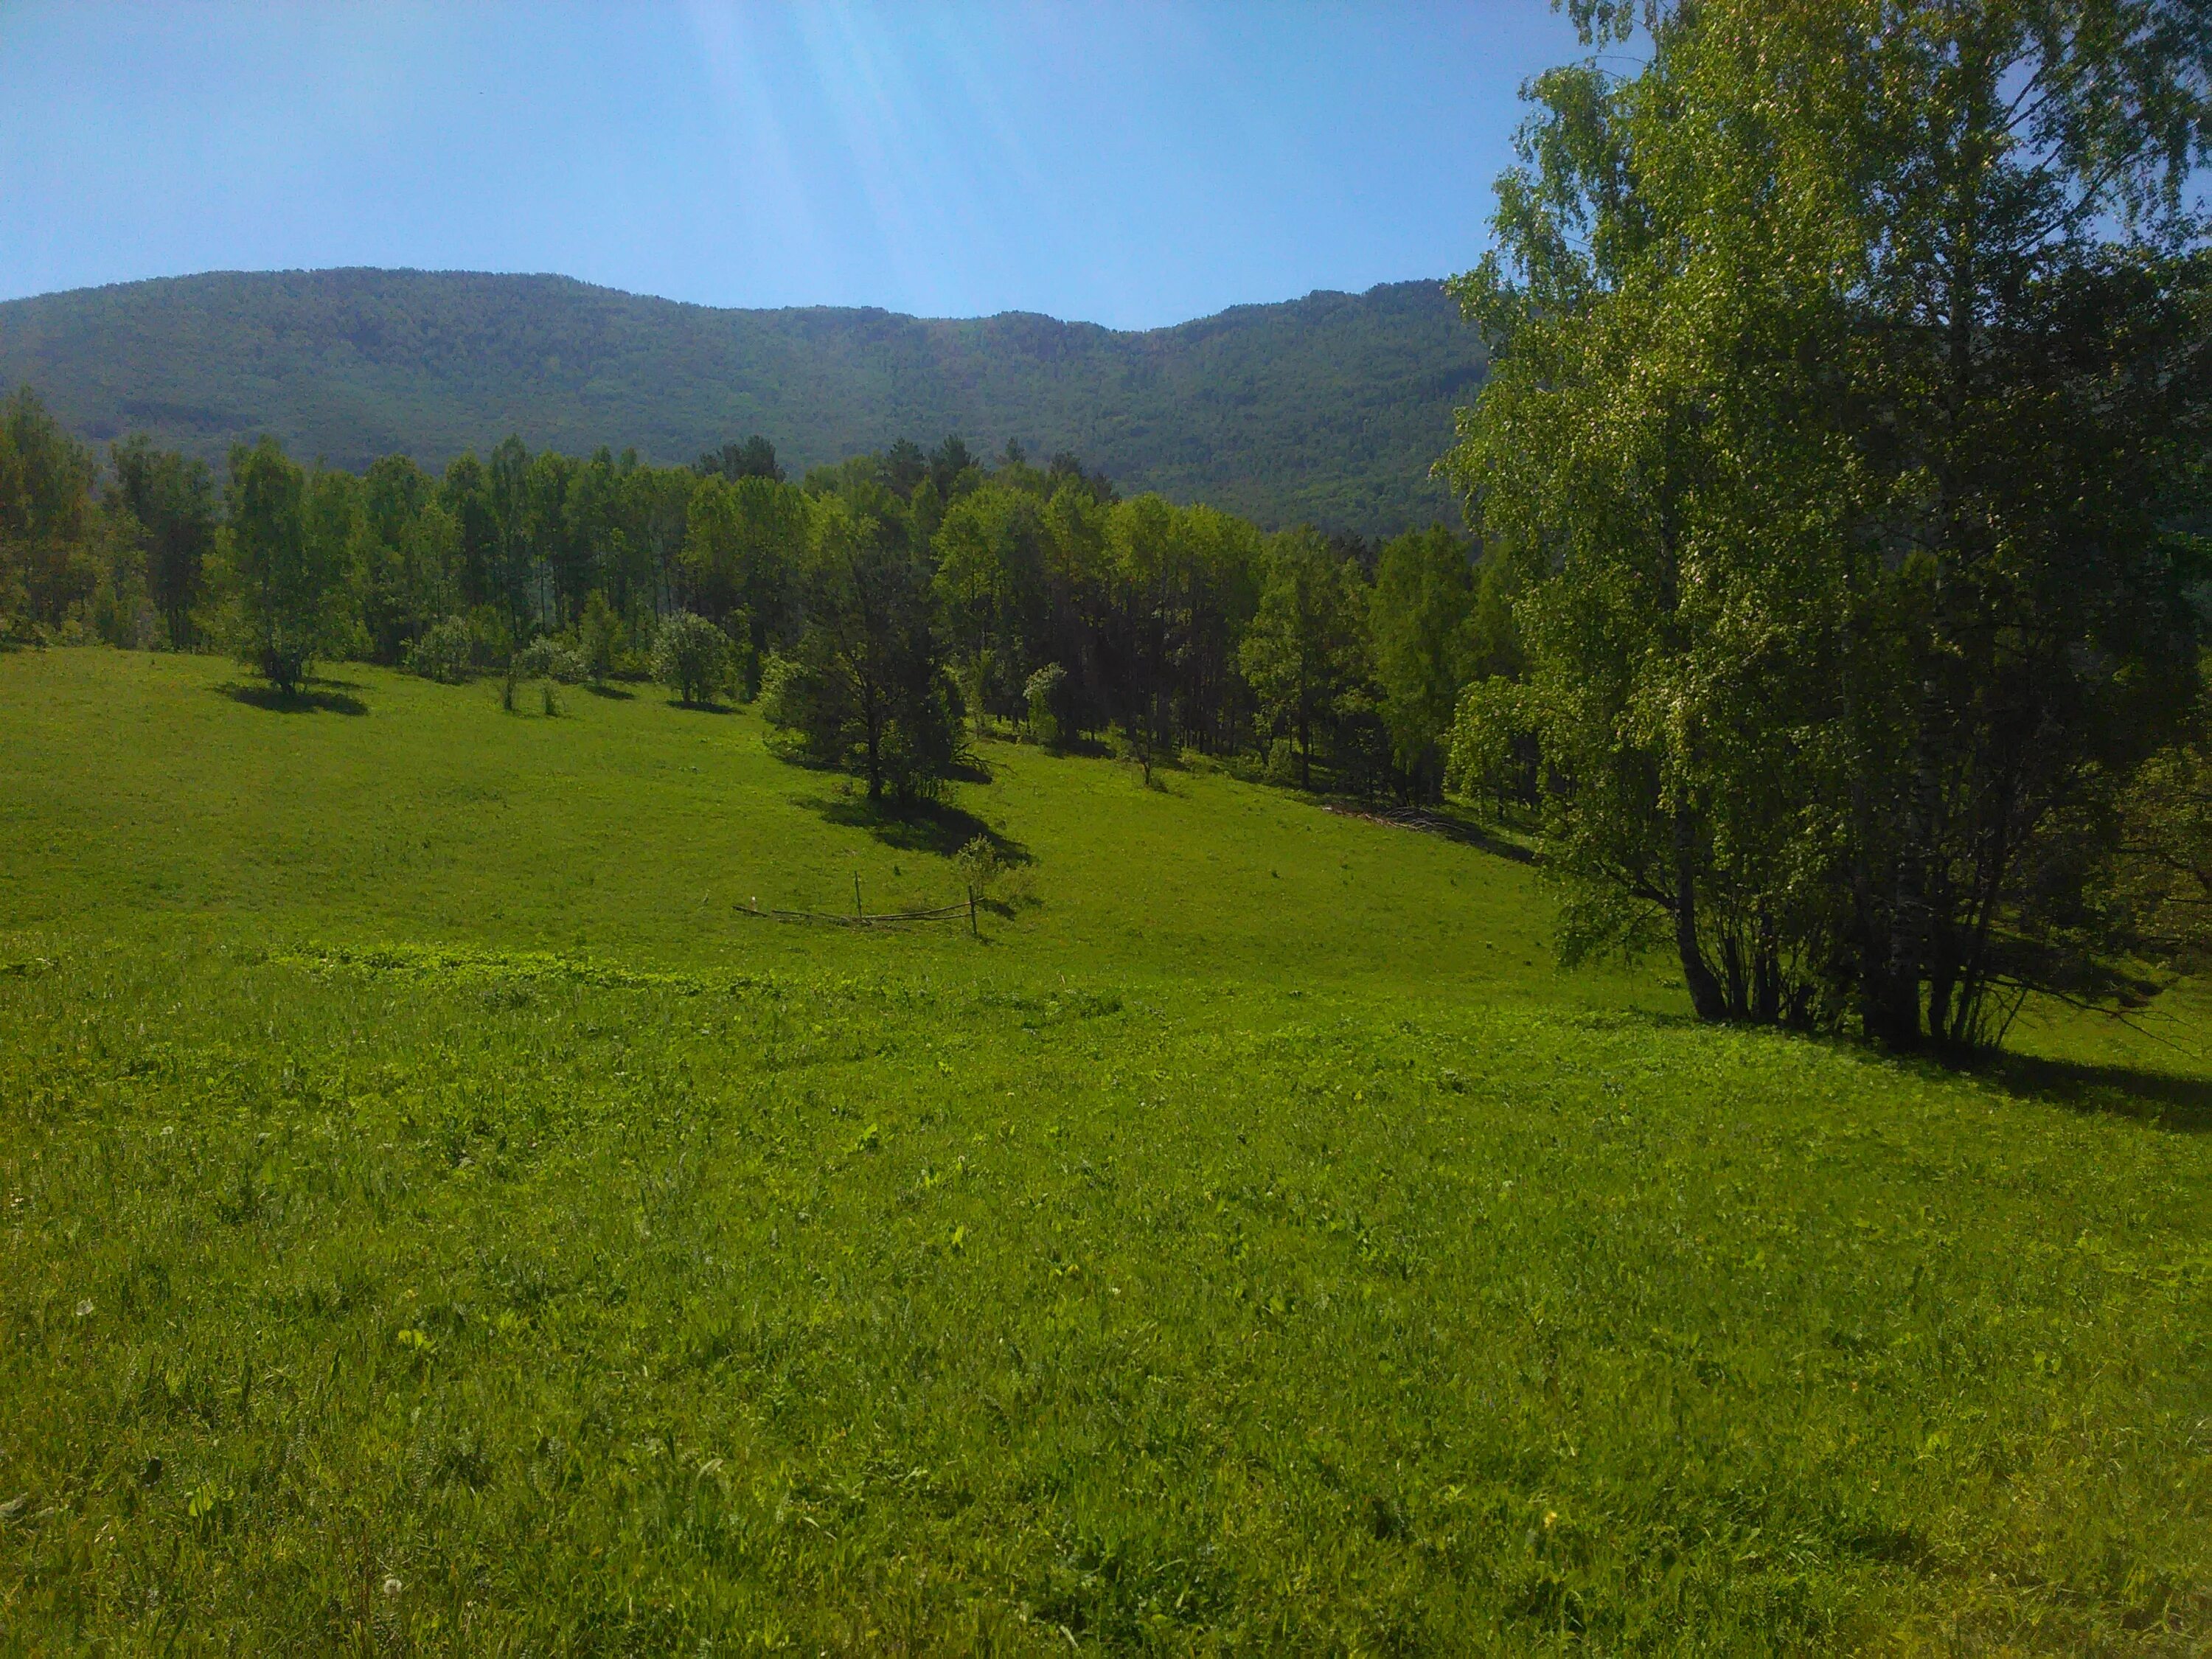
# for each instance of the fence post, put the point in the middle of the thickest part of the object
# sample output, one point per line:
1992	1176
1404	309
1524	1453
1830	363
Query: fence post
856	894
972	931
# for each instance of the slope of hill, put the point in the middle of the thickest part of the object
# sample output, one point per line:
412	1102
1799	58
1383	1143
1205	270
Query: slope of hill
1328	409
434	1219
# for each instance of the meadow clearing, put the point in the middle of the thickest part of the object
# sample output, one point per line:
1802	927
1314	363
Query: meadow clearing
431	1217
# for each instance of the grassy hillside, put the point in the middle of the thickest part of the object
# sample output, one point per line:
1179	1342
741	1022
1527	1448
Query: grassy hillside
432	1216
1328	409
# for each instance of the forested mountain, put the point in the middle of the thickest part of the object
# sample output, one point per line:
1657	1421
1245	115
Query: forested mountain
1327	410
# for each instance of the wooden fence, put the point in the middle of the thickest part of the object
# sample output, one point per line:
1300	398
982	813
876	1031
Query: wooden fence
862	919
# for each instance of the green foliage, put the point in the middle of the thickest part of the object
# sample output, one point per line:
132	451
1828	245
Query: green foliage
753	459
1306	644
745	546
48	571
171	503
285	541
1489	758
866	683
981	868
691	658
2152	886
598	638
408	558
1328	409
75	567
449	651
1846	400
435	1220
1421	623
548	658
1046	695
914	589
807	704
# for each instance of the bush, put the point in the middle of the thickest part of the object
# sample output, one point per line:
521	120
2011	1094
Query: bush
445	652
1051	698
923	740
979	866
550	659
598	638
691	658
547	661
815	712
18	632
808	706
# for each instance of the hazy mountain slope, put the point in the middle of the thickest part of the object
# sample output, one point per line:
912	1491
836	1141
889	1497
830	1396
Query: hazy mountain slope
1328	408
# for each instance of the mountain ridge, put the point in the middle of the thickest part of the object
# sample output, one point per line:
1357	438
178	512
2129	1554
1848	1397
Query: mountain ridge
1326	409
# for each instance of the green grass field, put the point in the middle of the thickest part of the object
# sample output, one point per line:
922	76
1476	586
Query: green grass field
433	1218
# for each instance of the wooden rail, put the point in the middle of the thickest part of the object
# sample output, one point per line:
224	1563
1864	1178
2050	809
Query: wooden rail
886	918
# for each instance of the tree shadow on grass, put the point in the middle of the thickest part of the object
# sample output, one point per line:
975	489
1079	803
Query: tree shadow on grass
321	697
1450	828
691	708
1471	835
2171	1102
614	691
924	826
1066	749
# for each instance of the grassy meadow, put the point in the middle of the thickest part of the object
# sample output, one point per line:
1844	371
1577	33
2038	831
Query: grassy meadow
432	1217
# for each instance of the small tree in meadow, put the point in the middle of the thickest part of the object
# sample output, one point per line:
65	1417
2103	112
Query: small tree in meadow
808	704
549	662
445	652
691	658
1051	715
285	567
980	868
598	637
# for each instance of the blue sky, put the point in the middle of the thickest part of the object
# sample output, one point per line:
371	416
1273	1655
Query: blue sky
1130	164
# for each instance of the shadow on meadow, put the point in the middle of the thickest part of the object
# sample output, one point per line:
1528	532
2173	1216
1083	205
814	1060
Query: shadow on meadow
1081	747
2170	1102
1471	835
690	708
614	693
1450	827
319	696
924	826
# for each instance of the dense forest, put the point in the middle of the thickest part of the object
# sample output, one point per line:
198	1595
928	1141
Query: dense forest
881	607
1327	410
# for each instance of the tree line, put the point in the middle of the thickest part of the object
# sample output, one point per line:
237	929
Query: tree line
1836	612
880	608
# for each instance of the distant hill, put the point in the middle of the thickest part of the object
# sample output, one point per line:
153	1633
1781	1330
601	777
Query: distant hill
1328	409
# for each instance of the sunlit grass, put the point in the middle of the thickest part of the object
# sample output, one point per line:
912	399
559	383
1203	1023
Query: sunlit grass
495	1244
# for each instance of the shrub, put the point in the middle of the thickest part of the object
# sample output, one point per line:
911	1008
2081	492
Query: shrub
1051	698
548	662
550	659
598	637
979	866
923	740
907	738
691	658
445	652
284	561
808	706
